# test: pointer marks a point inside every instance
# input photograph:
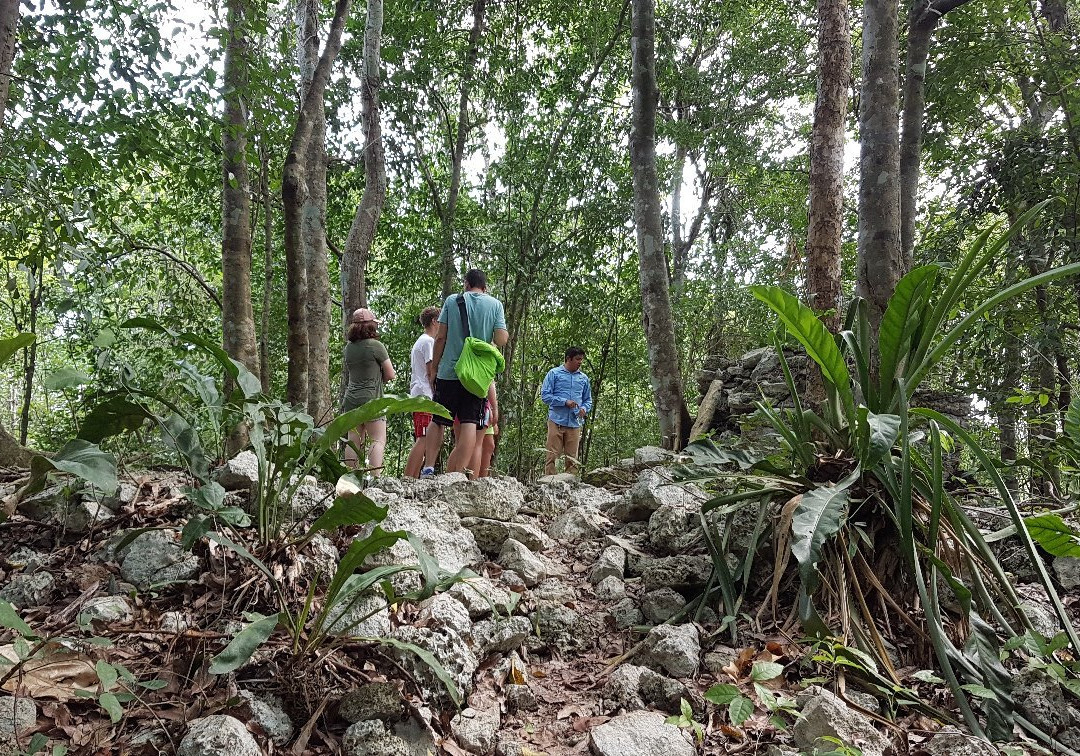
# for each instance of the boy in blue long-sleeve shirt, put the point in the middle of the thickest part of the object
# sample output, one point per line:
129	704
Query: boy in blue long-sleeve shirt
568	396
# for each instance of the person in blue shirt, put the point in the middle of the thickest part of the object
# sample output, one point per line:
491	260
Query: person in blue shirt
568	396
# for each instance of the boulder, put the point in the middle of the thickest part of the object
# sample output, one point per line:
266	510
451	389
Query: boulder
218	735
949	741
73	514
490	498
825	715
578	524
156	557
674	649
267	712
450	649
661	605
500	634
651	456
1039	697
370	738
517	557
241	473
480	596
639	733
675	526
474	730
612	563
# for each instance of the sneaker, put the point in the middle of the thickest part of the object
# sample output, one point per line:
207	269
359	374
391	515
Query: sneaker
427	472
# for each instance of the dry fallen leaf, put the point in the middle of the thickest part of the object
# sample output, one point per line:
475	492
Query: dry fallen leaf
573	709
53	674
732	732
584	724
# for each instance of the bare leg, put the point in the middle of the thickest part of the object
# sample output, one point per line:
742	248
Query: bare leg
488	449
461	457
416	457
433	442
376	430
356	442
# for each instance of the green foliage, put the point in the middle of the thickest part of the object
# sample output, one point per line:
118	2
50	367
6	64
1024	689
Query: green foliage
685	721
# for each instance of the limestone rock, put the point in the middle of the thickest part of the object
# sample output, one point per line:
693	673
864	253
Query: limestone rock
622	690
108	609
500	634
16	715
443	610
174	622
491	498
479	595
825	715
949	741
377	700
611	589
626	614
674	526
611	563
74	514
651	456
520	698
491	534
154	558
662	692
24	591
517	557
370	738
578	524
557	624
268	712
218	735
1040	699
1067	570
474	730
365	615
639	733
677	573
674	649
450	649
241	473
661	605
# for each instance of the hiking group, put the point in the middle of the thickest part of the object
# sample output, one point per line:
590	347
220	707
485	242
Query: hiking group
454	362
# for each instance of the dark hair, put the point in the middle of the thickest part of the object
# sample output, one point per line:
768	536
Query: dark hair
574	351
369	329
475	279
427	315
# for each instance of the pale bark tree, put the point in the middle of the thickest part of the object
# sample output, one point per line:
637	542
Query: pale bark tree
303	193
237	318
922	20
9	28
362	234
268	268
664	375
880	263
826	218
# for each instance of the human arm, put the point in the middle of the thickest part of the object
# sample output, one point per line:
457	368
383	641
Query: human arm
586	399
493	403
388	373
499	337
547	391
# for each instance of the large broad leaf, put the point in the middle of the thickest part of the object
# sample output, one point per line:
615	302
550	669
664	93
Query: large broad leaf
66	378
81	459
707	452
1054	534
818	518
387	405
984	651
9	617
10	346
877	435
906	311
349	509
820	345
114	416
429	659
178	434
246	642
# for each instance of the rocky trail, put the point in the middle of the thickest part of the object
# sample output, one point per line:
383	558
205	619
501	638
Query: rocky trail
574	635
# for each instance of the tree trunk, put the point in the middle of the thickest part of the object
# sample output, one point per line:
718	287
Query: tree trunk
656	304
362	234
30	357
9	30
268	270
303	194
879	160
826	221
12	453
237	318
1007	413
923	19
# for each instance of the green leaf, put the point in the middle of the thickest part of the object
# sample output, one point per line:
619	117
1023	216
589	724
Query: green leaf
739	710
429	659
178	434
9	617
1072	418
820	345
387	405
111	706
349	509
66	378
1054	534
817	518
241	647
722	694
905	313
8	347
194	530
979	691
106	338
114	416
106	674
927	676
879	433
81	459
766	671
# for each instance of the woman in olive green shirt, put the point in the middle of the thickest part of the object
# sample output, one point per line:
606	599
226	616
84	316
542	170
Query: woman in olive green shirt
367	367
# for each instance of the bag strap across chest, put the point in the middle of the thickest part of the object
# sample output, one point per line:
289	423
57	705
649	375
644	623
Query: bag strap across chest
464	316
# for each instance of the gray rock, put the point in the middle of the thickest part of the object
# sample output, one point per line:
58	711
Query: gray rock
650	456
611	563
675	526
474	730
218	735
654	489
520	698
517	557
443	610
480	596
1067	570
450	649
674	649
622	690
507	745
1043	619
554	589
241	473
949	741
268	712
825	715
685	573
74	514
370	738
366	616
1040	699
309	500
556	625
578	524
591	497
661	605
108	609
319	557
154	558
626	614
639	733
16	715
24	591
174	622
718	658
417	733
377	700
662	692
490	534
491	498
610	589
28	559
500	634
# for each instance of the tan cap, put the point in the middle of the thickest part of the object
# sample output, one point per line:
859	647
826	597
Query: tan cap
364	315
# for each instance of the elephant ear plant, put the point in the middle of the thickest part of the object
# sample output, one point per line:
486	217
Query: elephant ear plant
860	497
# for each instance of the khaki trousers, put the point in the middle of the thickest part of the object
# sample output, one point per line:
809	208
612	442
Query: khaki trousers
561	440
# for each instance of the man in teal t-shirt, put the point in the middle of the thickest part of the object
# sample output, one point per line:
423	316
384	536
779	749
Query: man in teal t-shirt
487	322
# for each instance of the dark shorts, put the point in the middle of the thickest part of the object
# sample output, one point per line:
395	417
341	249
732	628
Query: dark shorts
463	405
420	422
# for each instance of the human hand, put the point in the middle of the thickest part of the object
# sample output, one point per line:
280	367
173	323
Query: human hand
571	403
581	413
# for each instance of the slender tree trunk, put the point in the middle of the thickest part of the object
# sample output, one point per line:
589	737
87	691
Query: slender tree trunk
9	30
268	270
303	193
879	161
1007	413
922	20
30	357
664	372
464	125
826	221
362	234
237	318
